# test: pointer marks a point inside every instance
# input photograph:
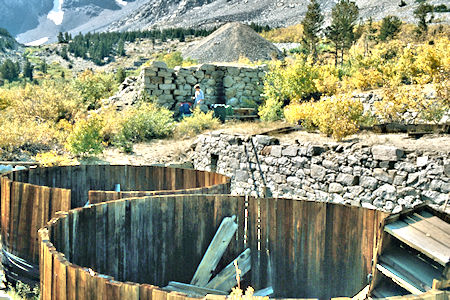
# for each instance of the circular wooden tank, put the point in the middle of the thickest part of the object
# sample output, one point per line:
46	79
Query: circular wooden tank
31	197
131	248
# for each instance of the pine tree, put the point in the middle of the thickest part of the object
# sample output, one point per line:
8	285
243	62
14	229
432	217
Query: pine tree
120	75
9	70
67	37
312	25
61	37
64	53
44	67
344	15
421	14
390	26
28	70
121	48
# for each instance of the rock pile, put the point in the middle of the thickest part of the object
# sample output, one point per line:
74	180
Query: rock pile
380	176
129	93
229	43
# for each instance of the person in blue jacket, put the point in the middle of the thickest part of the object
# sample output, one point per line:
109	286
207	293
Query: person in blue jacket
199	97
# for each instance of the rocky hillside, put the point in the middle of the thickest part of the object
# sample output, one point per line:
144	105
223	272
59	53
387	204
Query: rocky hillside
9	48
45	18
188	13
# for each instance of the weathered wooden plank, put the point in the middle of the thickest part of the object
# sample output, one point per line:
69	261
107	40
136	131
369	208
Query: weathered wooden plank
71	282
215	251
263	292
415	269
190	289
101	286
435	228
145	291
399	279
226	279
120	246
135	238
61	277
129	291
158	294
113	289
100	238
419	241
16	197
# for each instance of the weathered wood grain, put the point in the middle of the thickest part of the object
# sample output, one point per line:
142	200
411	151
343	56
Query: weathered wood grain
215	251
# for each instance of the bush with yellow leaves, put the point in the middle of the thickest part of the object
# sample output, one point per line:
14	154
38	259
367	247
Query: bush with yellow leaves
289	81
52	158
86	138
398	100
290	34
196	123
95	86
337	116
31	114
327	81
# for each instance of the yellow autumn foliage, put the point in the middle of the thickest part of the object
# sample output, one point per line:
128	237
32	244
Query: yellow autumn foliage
337	116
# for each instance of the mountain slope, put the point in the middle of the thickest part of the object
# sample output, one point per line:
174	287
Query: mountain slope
45	18
193	13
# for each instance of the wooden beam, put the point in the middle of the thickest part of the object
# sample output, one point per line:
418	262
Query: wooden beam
215	251
226	279
191	290
264	292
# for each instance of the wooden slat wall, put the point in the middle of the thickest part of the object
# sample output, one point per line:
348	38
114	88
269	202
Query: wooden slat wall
306	249
25	209
111	237
103	196
26	206
81	179
311	249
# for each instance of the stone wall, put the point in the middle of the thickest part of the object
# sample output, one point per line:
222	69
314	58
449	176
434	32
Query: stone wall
220	83
380	176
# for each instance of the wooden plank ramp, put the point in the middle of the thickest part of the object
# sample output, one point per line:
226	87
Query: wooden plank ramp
420	240
226	279
215	251
414	268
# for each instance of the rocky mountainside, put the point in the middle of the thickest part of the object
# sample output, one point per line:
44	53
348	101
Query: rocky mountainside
45	18
12	14
190	13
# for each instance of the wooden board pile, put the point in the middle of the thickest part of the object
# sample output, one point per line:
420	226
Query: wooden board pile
202	283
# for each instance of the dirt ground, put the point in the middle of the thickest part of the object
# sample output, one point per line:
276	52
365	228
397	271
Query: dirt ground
175	151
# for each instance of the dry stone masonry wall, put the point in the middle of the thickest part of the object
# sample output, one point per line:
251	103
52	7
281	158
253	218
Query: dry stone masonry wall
380	176
220	83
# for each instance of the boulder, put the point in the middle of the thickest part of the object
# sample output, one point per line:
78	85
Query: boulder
387	153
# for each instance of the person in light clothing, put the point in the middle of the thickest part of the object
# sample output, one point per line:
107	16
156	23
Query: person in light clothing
199	97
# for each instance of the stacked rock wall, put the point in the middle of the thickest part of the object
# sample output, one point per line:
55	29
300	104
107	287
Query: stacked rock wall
220	83
380	176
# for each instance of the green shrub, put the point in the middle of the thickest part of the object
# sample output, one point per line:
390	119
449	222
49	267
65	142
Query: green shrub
86	138
291	81
271	110
95	86
144	123
197	123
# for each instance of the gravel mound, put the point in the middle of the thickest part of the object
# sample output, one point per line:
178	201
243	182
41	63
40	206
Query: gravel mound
230	42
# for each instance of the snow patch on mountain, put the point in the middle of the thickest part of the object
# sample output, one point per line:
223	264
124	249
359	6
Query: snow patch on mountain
38	42
121	2
56	14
